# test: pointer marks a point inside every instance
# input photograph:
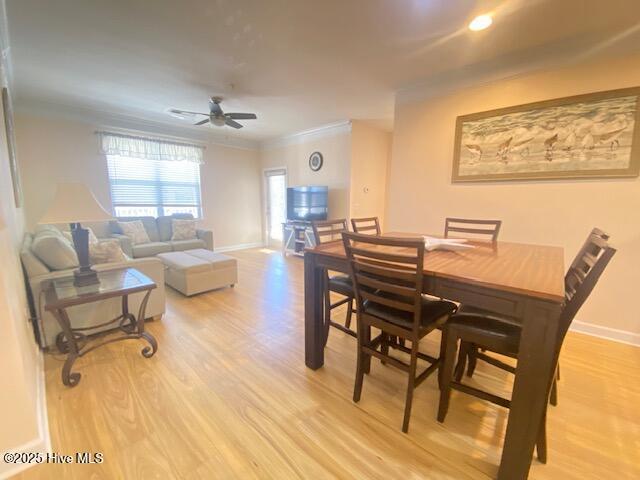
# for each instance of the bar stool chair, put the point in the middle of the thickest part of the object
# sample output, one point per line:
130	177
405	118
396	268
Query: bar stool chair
387	274
494	334
324	232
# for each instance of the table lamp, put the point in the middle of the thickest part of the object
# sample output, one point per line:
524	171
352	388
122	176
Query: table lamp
75	203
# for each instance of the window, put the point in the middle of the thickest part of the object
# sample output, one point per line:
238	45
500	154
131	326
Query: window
153	178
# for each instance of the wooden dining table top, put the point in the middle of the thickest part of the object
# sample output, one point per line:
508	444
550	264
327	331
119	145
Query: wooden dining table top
532	270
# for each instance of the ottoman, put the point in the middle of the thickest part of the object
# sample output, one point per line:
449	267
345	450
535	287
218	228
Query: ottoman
198	270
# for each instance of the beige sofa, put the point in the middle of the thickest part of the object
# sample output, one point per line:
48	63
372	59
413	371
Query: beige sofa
37	273
160	232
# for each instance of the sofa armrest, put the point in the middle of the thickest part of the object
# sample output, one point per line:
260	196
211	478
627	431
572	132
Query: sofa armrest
125	243
207	236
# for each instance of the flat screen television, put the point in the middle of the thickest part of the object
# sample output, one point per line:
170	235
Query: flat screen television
307	203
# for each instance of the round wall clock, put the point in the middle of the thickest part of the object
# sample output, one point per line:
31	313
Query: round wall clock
315	161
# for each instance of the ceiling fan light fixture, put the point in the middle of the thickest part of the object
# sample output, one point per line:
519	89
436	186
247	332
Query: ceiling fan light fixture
218	121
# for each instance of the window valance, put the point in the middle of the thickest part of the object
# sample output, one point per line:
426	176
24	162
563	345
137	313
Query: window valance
148	148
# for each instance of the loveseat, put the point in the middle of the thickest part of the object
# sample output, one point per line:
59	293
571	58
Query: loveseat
159	231
38	273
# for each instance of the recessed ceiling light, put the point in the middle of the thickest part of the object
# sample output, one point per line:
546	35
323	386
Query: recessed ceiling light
480	22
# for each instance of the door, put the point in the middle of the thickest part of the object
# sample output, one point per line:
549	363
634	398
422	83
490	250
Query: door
276	205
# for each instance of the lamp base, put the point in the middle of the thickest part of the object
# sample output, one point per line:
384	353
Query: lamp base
85	277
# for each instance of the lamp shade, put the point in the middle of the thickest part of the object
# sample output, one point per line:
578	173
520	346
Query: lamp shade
74	203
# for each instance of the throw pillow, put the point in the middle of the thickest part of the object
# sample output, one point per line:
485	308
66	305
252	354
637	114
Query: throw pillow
135	231
92	236
55	251
183	229
106	251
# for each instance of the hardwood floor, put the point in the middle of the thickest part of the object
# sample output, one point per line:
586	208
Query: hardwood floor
228	396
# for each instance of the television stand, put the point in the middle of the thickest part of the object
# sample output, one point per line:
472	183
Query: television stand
297	235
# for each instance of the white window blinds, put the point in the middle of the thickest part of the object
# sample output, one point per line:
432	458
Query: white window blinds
152	177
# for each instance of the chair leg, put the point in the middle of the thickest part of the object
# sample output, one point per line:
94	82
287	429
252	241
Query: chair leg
347	322
462	361
473	360
447	372
541	442
410	386
443	353
327	312
366	338
384	346
553	398
360	368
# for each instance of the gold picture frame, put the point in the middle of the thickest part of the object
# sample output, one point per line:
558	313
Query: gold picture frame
11	147
596	135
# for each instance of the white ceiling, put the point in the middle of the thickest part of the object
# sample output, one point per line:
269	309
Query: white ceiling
297	64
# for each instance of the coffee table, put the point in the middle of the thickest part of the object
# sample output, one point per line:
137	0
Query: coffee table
61	294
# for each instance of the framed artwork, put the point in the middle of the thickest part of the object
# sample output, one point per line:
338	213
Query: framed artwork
585	136
11	146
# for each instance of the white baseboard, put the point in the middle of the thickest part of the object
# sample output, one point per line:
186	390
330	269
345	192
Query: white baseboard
42	443
240	246
608	333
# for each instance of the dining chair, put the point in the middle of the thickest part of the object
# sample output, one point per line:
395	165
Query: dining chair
488	229
387	275
370	225
495	335
326	231
473	354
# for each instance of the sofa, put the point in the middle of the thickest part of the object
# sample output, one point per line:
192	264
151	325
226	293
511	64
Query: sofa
160	232
38	273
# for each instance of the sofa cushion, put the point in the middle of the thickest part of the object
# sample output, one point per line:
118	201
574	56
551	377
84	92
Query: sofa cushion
135	231
181	245
150	249
148	222
55	251
183	229
106	251
165	231
32	264
183	262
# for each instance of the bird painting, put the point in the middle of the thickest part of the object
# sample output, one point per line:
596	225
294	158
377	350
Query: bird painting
553	139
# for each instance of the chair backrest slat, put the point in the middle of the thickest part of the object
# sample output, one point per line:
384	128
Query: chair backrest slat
370	225
488	229
325	231
582	276
386	271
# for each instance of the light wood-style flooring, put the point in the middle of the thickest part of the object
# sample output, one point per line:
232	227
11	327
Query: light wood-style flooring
228	396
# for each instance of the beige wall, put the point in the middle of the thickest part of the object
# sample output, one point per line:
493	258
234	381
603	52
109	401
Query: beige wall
335	172
20	361
370	154
57	149
421	194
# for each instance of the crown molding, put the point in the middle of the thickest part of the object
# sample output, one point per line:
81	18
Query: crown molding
128	123
303	136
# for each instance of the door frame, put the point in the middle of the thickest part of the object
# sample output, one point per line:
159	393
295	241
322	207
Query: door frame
265	200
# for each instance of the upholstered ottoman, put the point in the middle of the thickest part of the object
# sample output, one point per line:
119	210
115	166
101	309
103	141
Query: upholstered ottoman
199	270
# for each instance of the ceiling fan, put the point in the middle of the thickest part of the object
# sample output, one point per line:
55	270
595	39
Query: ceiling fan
216	116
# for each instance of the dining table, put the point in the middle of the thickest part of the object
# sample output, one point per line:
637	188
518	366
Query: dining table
522	281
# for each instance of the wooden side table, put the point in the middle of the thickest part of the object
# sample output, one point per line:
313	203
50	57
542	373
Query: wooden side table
61	294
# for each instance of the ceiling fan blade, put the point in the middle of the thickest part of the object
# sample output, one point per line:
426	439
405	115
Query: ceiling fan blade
241	116
202	122
232	123
186	112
